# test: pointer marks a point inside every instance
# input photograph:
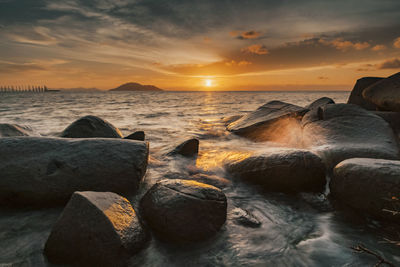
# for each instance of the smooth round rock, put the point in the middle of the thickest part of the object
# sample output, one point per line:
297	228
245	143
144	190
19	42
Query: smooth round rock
369	185
95	229
320	102
139	135
184	210
356	95
90	127
283	171
385	94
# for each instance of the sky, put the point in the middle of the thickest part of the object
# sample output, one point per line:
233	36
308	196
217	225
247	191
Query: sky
198	45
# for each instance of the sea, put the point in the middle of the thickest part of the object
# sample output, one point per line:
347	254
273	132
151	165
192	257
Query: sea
295	230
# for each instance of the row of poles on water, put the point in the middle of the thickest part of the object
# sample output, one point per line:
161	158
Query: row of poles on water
23	88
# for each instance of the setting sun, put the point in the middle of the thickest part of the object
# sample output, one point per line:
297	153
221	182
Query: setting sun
208	83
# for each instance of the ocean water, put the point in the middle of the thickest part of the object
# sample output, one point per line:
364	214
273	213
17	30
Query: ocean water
300	230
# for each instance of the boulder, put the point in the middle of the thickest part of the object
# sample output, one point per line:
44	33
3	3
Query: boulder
342	131
91	126
283	171
95	229
184	210
385	94
139	135
320	102
393	118
369	185
9	130
46	171
261	124
210	179
245	218
189	148
356	96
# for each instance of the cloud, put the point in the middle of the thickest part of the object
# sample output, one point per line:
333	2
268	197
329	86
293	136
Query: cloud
396	42
235	63
378	48
245	35
323	78
389	64
255	49
343	45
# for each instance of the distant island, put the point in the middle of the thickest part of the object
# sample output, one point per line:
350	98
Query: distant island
135	87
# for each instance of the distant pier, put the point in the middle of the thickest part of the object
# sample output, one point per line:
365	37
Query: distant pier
25	88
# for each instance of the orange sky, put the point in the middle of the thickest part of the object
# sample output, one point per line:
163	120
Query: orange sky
256	45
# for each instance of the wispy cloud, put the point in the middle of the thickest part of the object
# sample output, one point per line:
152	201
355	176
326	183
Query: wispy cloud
257	49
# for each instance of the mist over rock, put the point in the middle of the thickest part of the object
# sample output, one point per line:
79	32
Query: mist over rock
95	229
135	87
46	171
91	126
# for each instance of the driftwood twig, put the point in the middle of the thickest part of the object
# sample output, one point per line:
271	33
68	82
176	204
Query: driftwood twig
361	249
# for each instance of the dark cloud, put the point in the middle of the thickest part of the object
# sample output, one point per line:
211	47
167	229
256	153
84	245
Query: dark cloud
245	35
389	64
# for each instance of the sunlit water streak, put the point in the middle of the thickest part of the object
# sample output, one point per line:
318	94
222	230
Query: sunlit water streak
298	230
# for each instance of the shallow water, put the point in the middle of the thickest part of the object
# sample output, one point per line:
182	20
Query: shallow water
302	230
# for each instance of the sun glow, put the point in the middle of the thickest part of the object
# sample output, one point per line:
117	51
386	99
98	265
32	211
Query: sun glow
208	82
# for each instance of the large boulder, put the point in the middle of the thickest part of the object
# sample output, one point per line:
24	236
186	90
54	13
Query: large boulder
189	148
283	171
342	131
356	96
47	171
320	102
184	210
9	130
385	94
95	229
393	118
138	135
261	124
91	126
368	185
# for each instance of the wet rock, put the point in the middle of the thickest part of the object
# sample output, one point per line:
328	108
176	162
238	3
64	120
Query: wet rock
210	179
260	124
369	185
95	228
320	102
282	171
393	118
91	126
189	148
245	218
385	94
46	171
184	210
230	119
9	130
139	135
342	131
356	96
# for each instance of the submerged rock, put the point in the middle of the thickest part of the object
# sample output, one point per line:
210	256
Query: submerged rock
47	171
283	171
95	228
91	126
342	131
261	124
245	218
320	102
385	94
368	185
9	130
230	119
356	96
139	135
189	148
184	210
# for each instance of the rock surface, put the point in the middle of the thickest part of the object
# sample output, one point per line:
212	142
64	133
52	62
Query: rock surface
189	148
393	118
210	179
385	94
230	119
356	96
320	102
342	131
245	218
139	135
184	210
47	171
283	171
9	130
91	126
260	124
368	185
95	228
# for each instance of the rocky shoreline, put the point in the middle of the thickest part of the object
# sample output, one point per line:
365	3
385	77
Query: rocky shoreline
94	169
